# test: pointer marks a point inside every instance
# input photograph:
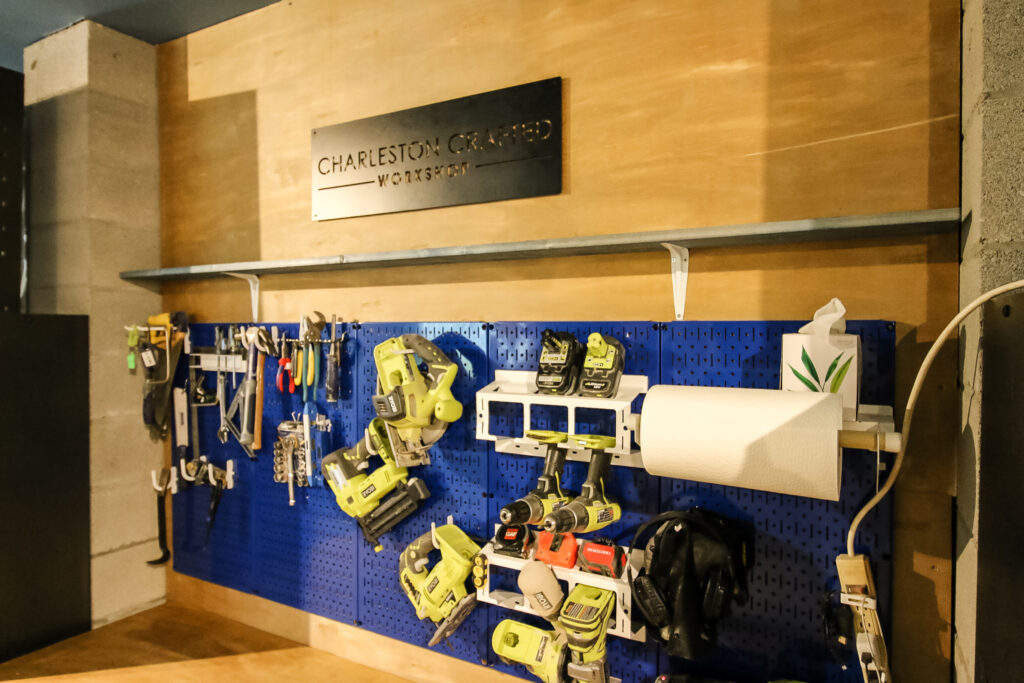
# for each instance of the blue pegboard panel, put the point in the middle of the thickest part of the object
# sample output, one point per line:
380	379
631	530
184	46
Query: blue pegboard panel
305	553
312	556
226	557
456	477
516	346
302	556
777	634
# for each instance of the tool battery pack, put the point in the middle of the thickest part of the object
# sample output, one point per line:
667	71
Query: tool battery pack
602	366
558	370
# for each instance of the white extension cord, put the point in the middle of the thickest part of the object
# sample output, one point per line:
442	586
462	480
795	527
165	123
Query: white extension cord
915	391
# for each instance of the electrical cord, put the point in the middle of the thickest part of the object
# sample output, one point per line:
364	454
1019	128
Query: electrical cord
908	413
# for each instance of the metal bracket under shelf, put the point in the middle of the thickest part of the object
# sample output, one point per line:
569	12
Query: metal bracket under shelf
518	387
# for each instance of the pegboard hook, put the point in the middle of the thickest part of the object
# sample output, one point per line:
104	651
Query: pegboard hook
254	292
680	270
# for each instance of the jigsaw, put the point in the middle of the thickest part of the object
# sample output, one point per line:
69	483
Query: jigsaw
439	593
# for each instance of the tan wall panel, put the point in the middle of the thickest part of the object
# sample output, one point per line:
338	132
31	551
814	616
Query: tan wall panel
676	115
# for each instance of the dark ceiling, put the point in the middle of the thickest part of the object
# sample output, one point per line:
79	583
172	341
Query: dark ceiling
23	22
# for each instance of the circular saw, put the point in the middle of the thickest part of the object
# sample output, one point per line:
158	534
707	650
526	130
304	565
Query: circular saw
414	398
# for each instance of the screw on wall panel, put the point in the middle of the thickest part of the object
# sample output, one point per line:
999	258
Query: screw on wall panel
1006	311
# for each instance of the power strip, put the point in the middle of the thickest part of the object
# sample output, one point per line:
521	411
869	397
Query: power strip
858	591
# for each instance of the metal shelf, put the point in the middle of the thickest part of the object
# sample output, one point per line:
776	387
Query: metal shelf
807	230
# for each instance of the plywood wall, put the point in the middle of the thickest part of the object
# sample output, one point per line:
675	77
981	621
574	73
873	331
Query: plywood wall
677	114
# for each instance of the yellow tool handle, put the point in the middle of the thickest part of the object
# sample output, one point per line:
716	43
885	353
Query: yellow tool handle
310	365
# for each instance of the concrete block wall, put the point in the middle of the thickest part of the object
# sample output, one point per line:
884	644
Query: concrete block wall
93	211
992	204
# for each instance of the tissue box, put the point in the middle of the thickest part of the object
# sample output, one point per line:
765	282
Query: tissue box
825	363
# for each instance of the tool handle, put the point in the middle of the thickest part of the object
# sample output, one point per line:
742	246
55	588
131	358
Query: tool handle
248	408
257	437
316	370
331	384
161	530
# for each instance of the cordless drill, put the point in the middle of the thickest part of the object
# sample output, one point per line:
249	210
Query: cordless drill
592	509
548	496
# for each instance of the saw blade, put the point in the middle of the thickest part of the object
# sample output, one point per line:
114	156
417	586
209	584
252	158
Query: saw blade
451	623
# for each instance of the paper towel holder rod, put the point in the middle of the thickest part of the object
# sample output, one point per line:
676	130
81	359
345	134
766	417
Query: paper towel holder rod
890	442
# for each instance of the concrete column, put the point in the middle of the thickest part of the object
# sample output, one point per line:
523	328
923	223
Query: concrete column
992	203
93	211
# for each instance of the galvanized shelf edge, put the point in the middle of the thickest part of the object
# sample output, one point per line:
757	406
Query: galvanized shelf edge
901	224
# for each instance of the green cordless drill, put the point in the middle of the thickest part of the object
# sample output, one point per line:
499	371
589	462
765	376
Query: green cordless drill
548	496
593	509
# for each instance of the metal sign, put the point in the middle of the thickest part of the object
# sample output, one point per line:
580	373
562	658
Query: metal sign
504	144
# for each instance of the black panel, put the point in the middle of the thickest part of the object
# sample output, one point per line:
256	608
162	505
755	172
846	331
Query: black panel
11	146
504	144
1001	479
44	481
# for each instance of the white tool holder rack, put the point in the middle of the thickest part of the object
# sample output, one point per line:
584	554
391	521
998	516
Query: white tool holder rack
620	626
218	362
519	386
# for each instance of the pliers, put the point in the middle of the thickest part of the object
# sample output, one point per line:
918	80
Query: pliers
284	369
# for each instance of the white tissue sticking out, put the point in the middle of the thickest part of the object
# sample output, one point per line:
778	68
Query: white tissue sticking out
829	319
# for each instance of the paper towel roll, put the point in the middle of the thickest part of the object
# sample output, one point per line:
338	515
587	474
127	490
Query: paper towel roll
780	441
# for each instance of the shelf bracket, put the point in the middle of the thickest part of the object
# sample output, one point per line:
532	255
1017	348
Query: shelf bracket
254	292
680	270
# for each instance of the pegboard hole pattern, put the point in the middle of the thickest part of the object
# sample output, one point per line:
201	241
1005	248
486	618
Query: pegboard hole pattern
313	557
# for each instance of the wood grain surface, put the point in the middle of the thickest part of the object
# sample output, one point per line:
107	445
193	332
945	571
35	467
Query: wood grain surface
676	115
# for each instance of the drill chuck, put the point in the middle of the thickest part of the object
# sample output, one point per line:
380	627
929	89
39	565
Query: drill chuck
518	512
563	520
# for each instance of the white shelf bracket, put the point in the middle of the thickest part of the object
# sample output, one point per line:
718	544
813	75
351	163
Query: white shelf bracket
680	271
254	292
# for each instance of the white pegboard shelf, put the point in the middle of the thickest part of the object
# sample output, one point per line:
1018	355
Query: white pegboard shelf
620	626
518	386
